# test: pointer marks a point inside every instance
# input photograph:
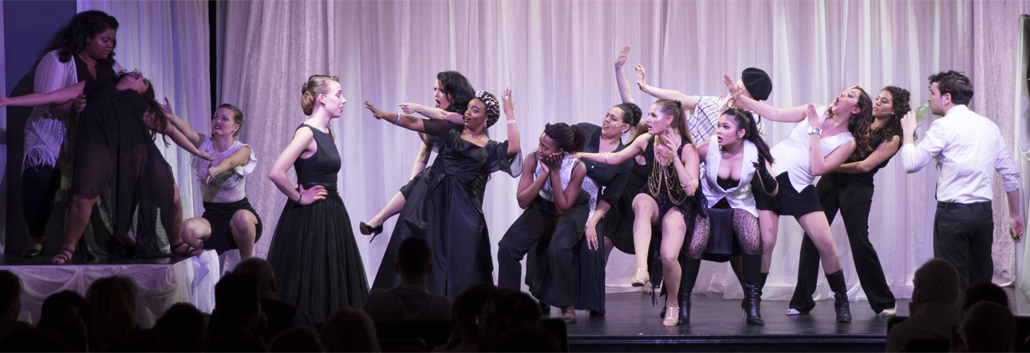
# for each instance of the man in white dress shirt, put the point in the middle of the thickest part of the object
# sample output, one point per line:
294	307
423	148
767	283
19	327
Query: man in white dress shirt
968	148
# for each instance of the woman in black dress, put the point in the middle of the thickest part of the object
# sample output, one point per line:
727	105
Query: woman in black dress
667	197
850	189
115	153
313	254
452	93
445	204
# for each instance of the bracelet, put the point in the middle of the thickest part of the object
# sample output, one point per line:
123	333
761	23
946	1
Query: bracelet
606	158
398	122
300	198
510	122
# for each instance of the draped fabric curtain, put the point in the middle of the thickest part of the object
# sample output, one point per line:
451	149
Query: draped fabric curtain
168	41
1021	110
557	57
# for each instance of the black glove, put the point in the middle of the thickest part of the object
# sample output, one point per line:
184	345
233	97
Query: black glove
768	181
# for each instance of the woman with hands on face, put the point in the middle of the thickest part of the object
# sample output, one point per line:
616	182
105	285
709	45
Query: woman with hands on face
445	206
558	198
826	137
313	253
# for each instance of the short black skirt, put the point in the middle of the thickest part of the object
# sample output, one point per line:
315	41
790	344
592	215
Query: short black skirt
789	202
220	216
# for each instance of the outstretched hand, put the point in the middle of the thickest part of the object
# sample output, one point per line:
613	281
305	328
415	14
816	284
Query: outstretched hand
206	155
378	114
621	59
410	108
509	105
167	107
731	87
641	77
813	117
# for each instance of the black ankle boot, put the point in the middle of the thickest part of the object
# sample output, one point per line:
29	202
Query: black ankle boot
690	267
840	295
752	293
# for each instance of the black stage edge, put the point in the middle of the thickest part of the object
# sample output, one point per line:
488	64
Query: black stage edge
632	324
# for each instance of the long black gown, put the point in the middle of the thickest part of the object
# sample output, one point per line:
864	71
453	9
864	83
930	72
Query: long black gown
313	254
116	155
445	206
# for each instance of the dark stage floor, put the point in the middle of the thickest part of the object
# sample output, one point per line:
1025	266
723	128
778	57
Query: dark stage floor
632	324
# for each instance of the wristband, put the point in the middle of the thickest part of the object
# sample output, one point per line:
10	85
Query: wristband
398	122
510	122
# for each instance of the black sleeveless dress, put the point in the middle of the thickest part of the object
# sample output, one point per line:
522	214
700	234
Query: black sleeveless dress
313	254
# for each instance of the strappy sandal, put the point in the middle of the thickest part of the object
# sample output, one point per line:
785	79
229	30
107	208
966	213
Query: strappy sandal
568	315
672	316
641	278
189	251
63	257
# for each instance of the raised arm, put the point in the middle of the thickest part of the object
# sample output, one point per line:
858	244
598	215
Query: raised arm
176	135
882	153
514	144
635	149
60	96
431	112
529	185
687	102
404	121
620	76
182	125
564	198
915	157
786	115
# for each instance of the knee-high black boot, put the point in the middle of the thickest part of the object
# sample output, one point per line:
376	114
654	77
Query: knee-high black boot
752	293
690	267
840	295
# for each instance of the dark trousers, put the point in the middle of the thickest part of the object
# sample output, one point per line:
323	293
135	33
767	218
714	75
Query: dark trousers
853	199
538	219
40	185
963	235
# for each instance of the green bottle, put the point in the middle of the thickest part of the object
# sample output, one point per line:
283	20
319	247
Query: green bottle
921	111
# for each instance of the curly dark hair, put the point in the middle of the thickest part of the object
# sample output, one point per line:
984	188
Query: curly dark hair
631	113
72	38
859	126
954	83
900	97
458	90
569	138
493	107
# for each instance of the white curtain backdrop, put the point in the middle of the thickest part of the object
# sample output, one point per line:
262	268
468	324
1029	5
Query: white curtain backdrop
1021	110
557	57
168	41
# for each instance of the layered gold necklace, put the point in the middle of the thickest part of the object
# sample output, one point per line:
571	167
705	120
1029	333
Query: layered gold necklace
661	173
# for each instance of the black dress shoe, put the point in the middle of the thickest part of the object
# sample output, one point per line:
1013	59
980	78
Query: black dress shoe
32	253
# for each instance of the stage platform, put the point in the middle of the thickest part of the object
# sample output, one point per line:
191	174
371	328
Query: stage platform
162	281
632	324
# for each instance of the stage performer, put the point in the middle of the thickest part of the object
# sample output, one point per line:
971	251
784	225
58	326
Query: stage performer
849	188
799	158
558	199
452	93
81	50
115	153
734	157
707	110
668	197
968	148
445	204
228	214
313	253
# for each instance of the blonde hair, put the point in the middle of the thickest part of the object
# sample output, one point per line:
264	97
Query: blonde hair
317	84
237	116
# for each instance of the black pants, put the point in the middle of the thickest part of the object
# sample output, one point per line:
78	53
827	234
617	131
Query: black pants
854	200
963	235
40	186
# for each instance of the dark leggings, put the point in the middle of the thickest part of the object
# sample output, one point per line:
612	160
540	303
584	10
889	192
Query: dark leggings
854	200
40	186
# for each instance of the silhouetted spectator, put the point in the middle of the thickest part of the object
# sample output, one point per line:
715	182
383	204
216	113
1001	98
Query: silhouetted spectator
281	315
31	339
67	324
182	329
112	311
467	309
982	291
237	323
297	339
10	303
349	330
506	310
410	300
988	327
533	339
933	310
67	298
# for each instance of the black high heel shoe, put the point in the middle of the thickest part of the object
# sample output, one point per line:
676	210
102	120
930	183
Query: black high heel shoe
33	253
369	230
